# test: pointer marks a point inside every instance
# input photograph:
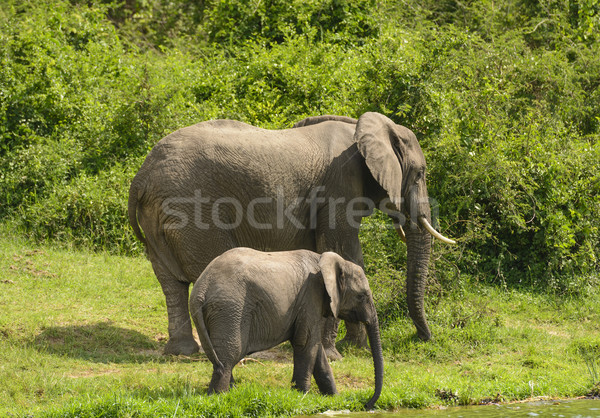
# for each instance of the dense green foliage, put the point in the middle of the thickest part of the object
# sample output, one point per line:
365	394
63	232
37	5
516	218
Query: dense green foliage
503	96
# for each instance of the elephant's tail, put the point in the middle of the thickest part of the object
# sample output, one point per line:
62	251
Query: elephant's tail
198	317
132	211
153	237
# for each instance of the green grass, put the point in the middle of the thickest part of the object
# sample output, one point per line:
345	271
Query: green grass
81	334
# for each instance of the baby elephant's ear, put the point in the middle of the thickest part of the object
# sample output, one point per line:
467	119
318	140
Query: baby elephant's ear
331	269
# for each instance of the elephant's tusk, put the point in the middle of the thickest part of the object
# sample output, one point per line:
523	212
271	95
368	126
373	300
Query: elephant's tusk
400	233
435	233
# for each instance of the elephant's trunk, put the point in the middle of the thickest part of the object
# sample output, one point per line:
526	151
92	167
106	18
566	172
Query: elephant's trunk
418	244
375	342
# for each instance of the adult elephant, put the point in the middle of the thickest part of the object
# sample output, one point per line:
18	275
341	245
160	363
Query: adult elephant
221	184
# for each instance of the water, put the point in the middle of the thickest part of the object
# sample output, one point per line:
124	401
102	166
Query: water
583	408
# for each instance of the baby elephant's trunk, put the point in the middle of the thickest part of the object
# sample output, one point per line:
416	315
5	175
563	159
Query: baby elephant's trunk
375	342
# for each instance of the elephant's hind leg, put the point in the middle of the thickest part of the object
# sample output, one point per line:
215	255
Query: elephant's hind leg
225	335
181	339
221	379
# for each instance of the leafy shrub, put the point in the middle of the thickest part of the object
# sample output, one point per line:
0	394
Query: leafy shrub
503	96
88	211
229	21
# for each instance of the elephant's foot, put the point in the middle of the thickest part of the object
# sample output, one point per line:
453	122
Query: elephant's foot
221	380
181	346
356	335
332	353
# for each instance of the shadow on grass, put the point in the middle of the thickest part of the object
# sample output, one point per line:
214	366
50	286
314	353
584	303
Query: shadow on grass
101	342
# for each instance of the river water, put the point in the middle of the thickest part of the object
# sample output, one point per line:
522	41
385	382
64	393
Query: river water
580	408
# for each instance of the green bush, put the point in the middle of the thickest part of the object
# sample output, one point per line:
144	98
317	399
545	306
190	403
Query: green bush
503	96
229	21
88	211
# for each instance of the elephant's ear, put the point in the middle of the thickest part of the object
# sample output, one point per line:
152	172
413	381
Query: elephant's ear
374	135
331	269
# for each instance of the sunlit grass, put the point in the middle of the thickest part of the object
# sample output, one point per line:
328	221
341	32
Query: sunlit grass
81	334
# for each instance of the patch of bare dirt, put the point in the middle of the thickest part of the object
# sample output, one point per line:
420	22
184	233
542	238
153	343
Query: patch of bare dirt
151	353
24	264
351	382
92	373
279	354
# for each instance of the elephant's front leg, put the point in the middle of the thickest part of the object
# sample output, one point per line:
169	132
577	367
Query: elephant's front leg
323	374
304	364
356	334
344	241
330	330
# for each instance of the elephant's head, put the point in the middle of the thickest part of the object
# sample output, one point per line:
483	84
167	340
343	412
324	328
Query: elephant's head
350	299
396	161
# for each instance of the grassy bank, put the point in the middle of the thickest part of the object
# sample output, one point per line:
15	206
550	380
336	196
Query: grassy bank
81	335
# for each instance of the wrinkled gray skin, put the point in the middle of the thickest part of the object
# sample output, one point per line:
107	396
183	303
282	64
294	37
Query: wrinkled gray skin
370	158
247	301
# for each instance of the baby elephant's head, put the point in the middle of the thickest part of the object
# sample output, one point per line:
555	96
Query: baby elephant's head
348	289
351	300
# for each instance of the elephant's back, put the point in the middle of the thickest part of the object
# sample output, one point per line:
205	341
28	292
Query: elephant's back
215	137
252	264
244	270
268	283
222	153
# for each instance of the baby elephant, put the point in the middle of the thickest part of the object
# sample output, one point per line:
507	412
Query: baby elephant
247	301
